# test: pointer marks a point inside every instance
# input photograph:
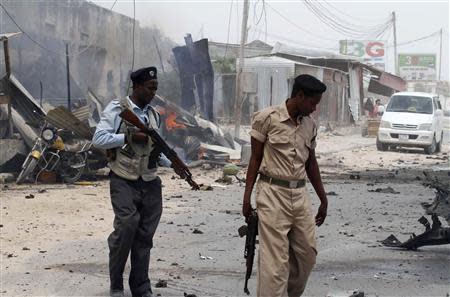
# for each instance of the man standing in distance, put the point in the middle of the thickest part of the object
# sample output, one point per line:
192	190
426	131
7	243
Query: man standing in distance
135	187
283	141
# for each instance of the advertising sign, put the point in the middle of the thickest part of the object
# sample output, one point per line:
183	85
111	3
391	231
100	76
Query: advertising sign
417	66
370	52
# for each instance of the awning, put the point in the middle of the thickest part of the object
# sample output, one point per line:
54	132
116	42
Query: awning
384	83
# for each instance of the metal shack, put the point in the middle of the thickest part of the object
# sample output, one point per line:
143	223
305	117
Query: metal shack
268	80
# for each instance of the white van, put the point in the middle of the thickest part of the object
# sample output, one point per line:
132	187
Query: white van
412	119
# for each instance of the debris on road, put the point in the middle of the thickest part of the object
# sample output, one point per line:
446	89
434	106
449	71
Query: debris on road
434	233
205	257
161	284
388	190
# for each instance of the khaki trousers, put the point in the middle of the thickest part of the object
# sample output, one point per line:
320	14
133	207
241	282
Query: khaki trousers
287	245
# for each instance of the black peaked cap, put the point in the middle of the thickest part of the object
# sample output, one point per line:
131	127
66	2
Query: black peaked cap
142	75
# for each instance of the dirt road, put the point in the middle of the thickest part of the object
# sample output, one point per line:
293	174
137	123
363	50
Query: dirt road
54	243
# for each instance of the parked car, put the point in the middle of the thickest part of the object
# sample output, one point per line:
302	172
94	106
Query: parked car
412	119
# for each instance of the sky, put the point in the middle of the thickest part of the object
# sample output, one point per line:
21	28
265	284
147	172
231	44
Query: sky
291	22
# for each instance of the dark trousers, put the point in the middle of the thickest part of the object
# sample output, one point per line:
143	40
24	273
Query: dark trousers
137	207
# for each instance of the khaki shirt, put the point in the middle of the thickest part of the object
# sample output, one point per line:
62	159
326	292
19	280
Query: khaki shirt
286	145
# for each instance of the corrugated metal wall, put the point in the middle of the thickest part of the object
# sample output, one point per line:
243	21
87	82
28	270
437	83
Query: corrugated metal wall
275	77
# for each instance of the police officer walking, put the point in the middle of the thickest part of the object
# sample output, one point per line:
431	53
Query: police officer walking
283	141
135	188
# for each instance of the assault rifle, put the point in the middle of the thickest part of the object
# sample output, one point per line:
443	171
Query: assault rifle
250	232
179	166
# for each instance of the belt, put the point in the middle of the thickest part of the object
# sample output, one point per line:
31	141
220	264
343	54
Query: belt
291	184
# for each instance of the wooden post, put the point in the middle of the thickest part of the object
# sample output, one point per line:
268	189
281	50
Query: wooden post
395	42
69	106
6	86
440	57
238	95
159	54
40	93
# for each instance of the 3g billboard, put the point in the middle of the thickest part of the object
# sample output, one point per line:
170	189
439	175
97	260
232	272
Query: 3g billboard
371	52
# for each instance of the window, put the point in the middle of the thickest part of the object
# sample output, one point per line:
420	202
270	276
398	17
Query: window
413	104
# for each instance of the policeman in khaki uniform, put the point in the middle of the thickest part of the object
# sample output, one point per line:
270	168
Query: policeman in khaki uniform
134	186
283	141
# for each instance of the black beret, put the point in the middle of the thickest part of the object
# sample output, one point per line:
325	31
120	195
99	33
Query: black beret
310	84
142	75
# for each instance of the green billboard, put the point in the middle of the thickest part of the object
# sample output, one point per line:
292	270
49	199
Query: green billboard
417	66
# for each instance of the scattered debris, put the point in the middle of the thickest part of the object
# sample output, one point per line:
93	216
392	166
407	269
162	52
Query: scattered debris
161	284
355	176
332	193
205	257
206	188
230	169
197	231
6	177
388	190
441	203
225	180
433	235
30	196
357	293
189	295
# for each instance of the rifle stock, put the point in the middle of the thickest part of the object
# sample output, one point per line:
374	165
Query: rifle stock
180	168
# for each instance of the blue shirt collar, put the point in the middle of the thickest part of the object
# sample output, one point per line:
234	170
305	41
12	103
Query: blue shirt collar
135	107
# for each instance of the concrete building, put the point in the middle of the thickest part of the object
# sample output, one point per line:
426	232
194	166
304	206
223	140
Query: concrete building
100	48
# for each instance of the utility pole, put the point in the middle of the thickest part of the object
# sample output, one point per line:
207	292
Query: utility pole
238	94
440	57
159	54
68	78
40	93
395	42
7	87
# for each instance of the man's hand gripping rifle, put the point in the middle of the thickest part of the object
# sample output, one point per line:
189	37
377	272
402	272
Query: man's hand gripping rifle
178	165
250	232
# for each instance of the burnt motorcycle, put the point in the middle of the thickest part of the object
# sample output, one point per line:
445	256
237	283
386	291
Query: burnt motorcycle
51	153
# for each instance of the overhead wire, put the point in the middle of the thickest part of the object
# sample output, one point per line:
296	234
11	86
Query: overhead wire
265	20
416	40
257	19
229	27
296	42
346	29
296	25
133	42
341	26
348	15
43	46
350	25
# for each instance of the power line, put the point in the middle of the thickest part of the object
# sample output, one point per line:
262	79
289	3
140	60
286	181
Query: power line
41	45
257	19
346	14
296	42
133	46
296	25
342	26
24	32
416	40
134	25
229	27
